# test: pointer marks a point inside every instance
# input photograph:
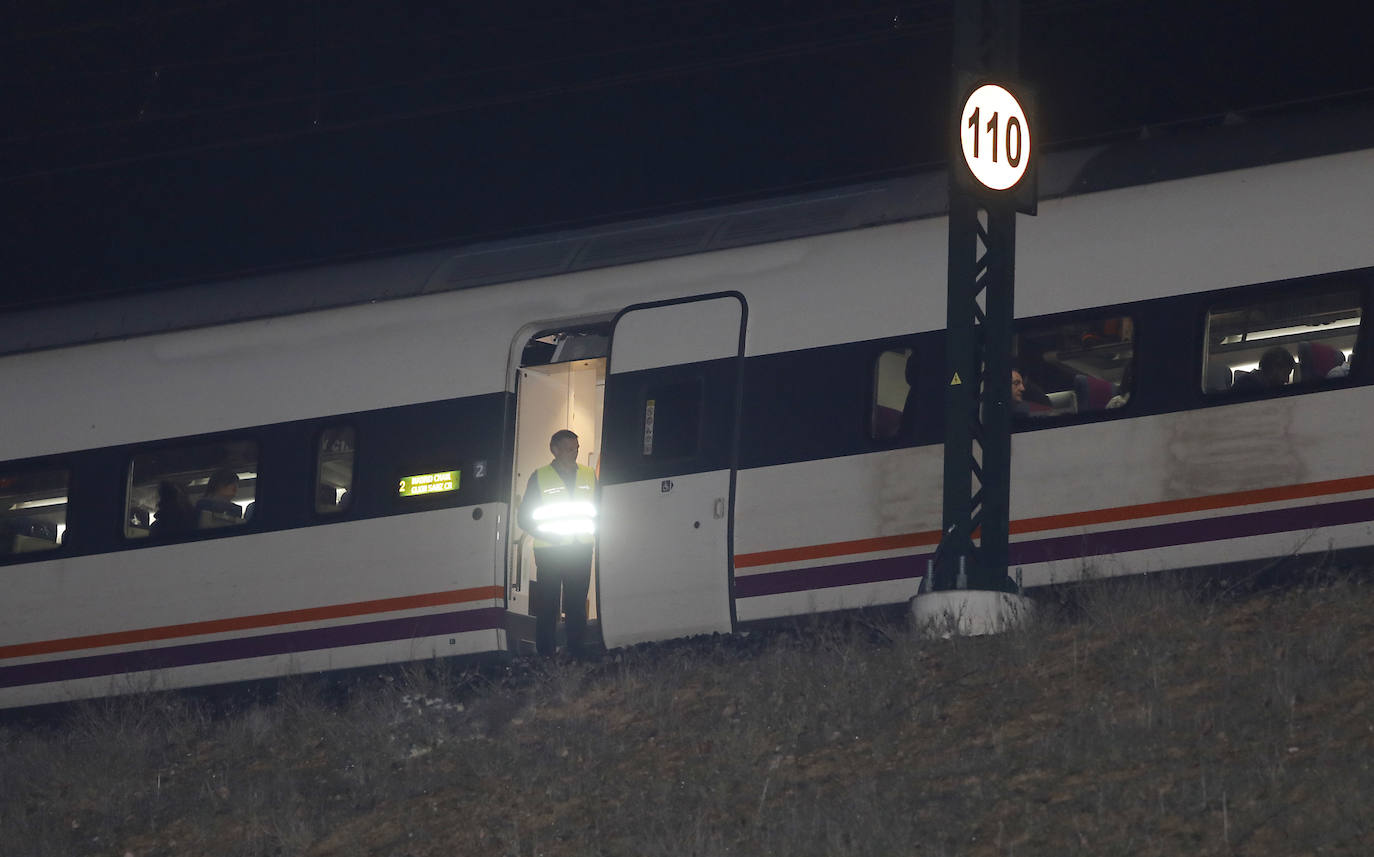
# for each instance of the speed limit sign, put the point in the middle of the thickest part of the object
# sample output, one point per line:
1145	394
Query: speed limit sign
995	137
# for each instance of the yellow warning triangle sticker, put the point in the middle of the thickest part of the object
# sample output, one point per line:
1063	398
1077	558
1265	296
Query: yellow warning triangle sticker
955	380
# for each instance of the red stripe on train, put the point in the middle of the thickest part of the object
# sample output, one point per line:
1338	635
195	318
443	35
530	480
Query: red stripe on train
262	620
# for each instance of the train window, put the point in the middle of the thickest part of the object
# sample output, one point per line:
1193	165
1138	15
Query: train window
672	420
334	470
33	511
1075	367
1306	339
890	388
181	489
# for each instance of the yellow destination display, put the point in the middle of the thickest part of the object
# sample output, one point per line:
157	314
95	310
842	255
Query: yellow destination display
429	483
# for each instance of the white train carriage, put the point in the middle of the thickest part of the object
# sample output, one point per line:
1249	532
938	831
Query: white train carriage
758	386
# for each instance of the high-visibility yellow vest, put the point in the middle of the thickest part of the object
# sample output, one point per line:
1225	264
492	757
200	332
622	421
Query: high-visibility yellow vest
563	518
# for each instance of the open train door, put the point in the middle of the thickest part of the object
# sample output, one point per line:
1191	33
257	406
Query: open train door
668	455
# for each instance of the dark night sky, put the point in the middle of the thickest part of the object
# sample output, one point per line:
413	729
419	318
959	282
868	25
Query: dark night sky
149	143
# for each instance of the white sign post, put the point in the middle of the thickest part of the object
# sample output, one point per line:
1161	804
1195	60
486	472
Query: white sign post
995	137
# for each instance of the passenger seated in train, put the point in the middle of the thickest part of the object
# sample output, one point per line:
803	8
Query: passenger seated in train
216	508
1275	370
174	511
1027	399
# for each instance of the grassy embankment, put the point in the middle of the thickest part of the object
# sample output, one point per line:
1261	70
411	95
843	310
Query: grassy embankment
1149	720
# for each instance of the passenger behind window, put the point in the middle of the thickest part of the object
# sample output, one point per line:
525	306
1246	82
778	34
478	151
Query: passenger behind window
1018	393
216	508
175	514
1275	371
1027	397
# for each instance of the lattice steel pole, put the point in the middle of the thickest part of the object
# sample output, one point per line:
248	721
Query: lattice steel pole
982	254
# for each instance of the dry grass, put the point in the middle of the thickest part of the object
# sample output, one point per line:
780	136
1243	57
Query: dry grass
1148	720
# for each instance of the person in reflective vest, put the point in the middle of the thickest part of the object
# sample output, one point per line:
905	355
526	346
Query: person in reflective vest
559	512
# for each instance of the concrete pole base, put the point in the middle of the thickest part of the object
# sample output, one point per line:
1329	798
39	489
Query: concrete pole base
969	612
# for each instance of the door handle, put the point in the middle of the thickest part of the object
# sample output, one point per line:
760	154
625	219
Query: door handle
719	509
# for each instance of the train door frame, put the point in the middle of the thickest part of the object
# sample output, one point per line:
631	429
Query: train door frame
537	351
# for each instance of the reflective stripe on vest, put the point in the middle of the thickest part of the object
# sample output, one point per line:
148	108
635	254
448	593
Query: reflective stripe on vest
562	518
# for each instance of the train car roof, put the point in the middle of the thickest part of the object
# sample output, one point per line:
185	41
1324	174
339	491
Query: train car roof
1208	145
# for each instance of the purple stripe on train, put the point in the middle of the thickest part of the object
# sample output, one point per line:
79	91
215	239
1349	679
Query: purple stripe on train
1070	547
1193	532
287	642
826	576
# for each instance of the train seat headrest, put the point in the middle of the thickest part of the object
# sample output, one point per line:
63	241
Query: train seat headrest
1218	378
1064	402
1093	393
1317	359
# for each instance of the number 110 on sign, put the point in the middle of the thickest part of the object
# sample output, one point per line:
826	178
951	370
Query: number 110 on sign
995	137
